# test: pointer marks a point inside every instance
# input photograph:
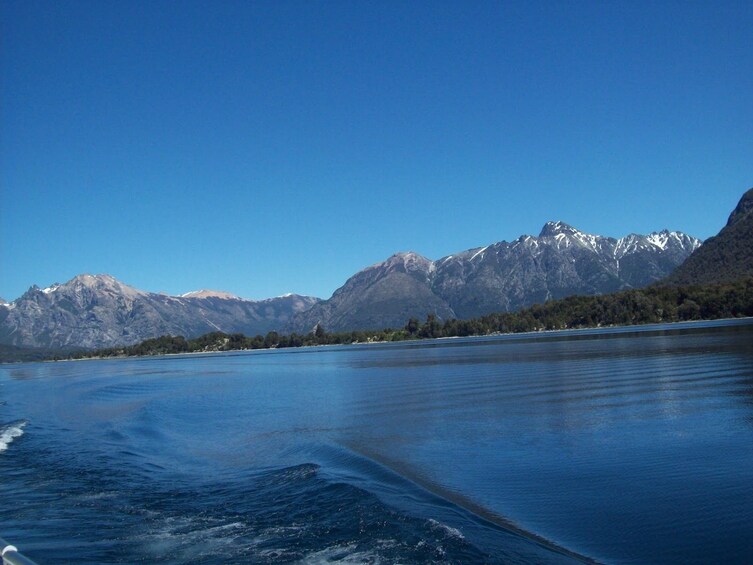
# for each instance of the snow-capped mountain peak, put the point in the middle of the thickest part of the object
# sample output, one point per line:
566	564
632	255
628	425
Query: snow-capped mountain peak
553	229
566	235
656	241
659	239
407	261
666	238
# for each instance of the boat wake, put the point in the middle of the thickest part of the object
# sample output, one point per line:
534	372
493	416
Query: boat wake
9	432
446	513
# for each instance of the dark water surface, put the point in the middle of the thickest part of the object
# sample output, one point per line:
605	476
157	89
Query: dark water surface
619	446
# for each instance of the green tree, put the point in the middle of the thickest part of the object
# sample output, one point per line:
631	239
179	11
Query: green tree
412	326
432	328
272	339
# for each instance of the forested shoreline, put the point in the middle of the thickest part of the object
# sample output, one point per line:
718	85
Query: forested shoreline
656	304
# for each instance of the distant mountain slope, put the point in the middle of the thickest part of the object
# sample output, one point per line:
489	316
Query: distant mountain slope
504	276
395	289
727	256
99	311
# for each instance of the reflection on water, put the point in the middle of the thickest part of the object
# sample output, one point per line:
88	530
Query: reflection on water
625	445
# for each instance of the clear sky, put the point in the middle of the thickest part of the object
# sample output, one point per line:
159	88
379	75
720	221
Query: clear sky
271	147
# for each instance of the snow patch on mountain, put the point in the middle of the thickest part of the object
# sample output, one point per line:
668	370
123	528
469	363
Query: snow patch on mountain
479	252
204	293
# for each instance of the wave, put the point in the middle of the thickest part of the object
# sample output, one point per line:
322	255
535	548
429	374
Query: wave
9	432
448	514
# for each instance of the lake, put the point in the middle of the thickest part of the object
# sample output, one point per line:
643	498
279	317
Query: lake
620	445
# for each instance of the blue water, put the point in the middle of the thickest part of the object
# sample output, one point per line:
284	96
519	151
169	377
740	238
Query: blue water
617	446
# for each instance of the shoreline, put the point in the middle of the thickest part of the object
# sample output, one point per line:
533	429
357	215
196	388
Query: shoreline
572	331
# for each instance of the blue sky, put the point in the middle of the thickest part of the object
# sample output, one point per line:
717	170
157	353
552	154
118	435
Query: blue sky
271	147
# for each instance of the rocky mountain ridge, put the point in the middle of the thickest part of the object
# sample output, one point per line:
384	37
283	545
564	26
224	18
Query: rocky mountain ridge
504	276
93	311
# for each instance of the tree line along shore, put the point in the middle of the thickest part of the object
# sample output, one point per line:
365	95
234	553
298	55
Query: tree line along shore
656	304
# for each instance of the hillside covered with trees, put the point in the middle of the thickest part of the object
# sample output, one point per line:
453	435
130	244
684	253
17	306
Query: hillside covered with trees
727	256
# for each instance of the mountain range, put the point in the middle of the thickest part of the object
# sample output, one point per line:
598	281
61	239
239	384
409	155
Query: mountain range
94	311
560	262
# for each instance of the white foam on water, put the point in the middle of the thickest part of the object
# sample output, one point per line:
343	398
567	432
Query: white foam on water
276	532
345	553
9	432
190	538
96	496
449	531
